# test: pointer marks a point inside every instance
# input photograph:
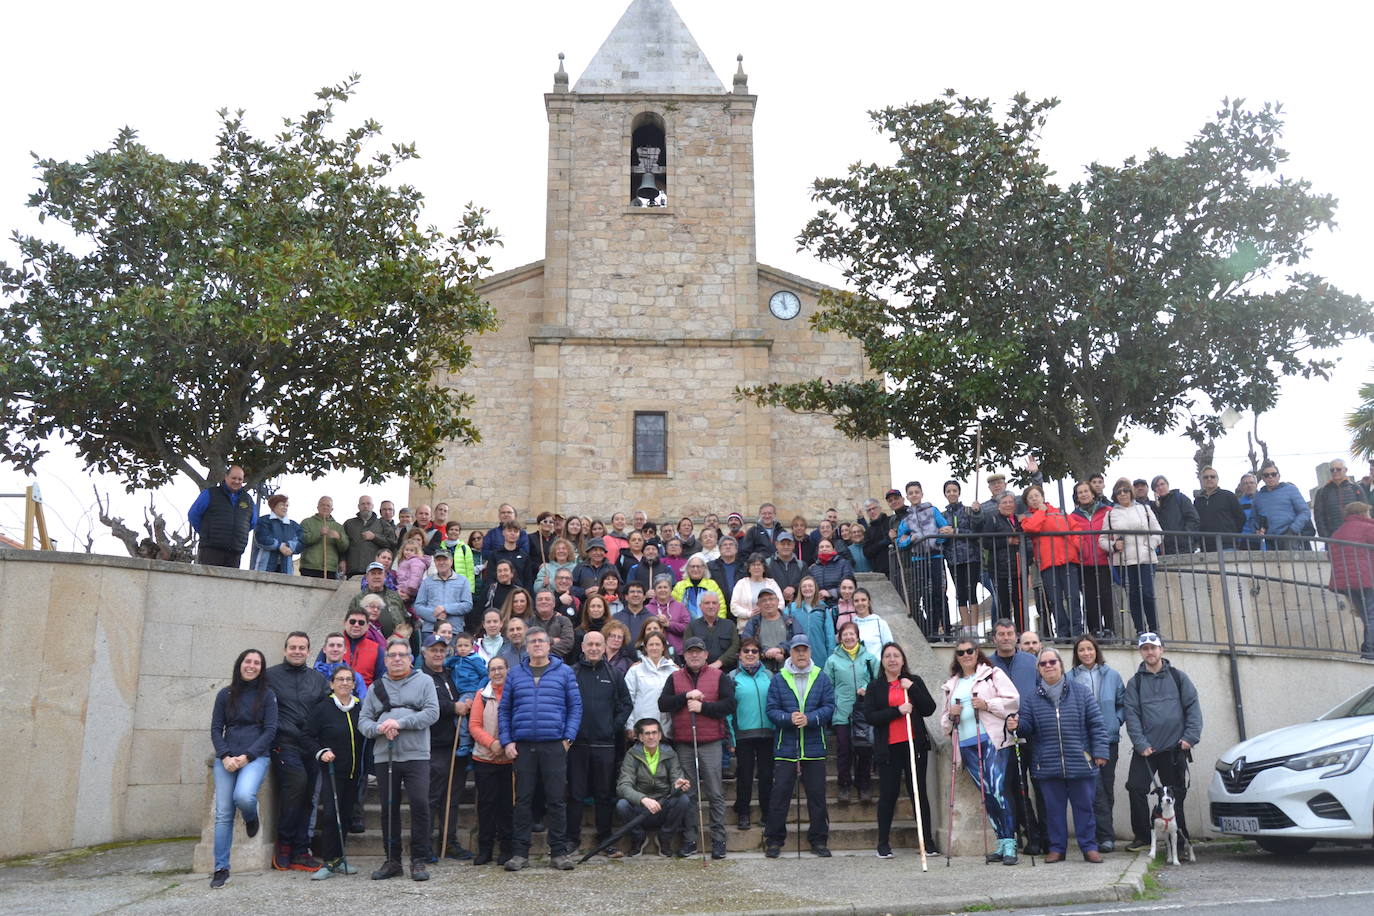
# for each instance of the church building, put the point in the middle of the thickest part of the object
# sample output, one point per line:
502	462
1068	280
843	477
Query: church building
610	383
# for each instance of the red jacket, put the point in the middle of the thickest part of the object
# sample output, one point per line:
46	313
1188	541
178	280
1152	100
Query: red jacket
363	656
718	703
1353	567
1089	552
1051	551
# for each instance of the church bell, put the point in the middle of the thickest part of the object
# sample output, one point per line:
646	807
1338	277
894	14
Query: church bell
648	188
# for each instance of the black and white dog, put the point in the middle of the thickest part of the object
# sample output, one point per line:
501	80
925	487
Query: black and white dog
1165	821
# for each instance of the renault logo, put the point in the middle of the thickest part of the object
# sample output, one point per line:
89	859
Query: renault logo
1237	769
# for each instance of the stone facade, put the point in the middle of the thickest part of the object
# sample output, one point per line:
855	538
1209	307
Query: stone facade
663	308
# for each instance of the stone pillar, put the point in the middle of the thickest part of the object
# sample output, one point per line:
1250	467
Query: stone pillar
545	415
247	855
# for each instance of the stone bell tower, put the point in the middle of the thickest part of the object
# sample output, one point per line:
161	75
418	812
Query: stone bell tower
610	384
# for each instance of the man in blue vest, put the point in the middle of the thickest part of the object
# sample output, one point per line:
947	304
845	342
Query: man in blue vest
223	516
801	702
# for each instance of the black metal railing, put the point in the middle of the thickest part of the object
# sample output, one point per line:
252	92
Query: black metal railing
1212	589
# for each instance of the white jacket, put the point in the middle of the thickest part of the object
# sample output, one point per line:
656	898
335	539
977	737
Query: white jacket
645	683
874	633
1138	548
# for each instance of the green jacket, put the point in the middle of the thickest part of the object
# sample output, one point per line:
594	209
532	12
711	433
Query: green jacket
636	782
848	676
314	547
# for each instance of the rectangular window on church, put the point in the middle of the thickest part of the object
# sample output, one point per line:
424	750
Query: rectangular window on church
651	442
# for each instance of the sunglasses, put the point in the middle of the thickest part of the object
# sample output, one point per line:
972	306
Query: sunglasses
1209	477
1049	663
1269	474
748	651
965	652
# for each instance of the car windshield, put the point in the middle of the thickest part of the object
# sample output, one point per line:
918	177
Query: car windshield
1362	704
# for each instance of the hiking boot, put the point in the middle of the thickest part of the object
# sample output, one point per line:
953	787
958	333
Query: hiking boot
250	827
324	873
281	859
304	861
342	868
820	849
994	857
665	845
516	863
418	871
773	852
482	858
562	863
218	879
744	822
1008	851
1138	845
390	869
718	849
687	850
1107	846
456	851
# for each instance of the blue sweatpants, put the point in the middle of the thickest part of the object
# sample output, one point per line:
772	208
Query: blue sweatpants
1078	794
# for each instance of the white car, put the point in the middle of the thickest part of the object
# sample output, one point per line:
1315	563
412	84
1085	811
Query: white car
1291	787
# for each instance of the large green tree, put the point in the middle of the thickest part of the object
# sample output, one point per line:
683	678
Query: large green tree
280	306
1151	294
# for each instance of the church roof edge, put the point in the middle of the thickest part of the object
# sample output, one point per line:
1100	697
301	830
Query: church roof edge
650	50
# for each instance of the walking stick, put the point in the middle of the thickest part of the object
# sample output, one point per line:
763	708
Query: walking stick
796	788
977	460
448	795
953	776
701	828
338	819
1025	797
915	796
392	829
982	783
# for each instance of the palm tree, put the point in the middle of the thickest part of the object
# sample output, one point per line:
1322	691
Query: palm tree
1360	422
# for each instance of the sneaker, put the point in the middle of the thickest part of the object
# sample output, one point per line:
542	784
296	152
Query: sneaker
343	868
820	849
389	869
456	851
687	850
418	871
884	851
1106	846
994	857
250	827
516	863
281	859
665	845
717	850
562	863
637	842
1137	845
744	822
1008	851
322	874
931	851
304	861
218	879
773	852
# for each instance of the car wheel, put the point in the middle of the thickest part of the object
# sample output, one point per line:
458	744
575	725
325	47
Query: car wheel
1284	846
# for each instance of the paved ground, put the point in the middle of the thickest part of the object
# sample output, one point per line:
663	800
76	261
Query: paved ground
155	878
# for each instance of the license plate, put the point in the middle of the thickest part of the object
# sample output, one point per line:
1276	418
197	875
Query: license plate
1240	825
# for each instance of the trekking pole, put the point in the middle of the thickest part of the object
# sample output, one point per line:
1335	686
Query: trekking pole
915	796
696	758
448	795
797	790
953	776
982	783
338	819
1025	796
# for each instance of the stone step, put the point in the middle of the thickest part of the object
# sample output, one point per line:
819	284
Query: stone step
851	813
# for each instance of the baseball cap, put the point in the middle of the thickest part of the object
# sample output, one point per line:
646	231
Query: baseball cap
372	566
596	542
434	639
695	642
1149	639
891	493
786	536
799	640
443	553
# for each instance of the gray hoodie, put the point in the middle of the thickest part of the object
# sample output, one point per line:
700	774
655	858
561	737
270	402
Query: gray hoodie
1156	716
414	705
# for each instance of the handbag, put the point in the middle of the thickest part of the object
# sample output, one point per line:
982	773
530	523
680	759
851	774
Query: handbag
860	729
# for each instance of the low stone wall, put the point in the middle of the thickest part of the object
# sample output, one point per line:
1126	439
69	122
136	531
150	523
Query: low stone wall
111	669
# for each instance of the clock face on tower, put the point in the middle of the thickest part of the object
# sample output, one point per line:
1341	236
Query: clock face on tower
784	304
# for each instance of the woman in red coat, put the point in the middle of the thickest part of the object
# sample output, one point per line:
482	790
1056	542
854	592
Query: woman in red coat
1057	557
1352	568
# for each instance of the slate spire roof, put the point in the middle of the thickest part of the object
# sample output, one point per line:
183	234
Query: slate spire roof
650	51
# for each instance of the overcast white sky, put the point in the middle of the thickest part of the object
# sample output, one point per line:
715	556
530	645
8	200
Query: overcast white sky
466	82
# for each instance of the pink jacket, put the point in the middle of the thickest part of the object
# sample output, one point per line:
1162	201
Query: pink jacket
991	684
410	572
678	619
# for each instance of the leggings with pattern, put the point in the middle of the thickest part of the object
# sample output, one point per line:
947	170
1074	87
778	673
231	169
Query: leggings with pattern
990	781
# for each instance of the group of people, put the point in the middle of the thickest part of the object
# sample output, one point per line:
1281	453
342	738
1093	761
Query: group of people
1074	558
572	669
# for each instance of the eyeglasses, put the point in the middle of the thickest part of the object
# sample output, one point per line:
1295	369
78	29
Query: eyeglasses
1209	477
748	651
398	655
1049	663
343	680
965	651
1336	469
1267	474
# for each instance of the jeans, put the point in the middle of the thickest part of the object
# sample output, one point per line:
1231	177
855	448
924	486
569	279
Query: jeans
541	764
1061	593
753	753
892	775
295	772
987	767
1078	794
235	790
1139	581
784	784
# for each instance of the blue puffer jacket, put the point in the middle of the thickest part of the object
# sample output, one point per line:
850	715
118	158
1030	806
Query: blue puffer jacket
1066	737
548	711
1105	684
1283	509
829	575
818	702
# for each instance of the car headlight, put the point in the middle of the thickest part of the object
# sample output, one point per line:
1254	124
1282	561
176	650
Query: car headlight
1346	755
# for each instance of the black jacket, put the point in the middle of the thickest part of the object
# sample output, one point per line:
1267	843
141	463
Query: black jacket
881	716
721	638
1220	513
787	575
517	558
228	520
248	726
327	727
586	575
1176	513
297	689
876	542
756	540
441	732
606	703
716	569
644	574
